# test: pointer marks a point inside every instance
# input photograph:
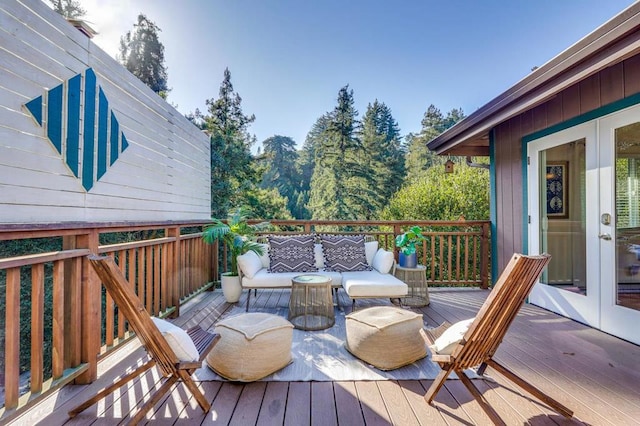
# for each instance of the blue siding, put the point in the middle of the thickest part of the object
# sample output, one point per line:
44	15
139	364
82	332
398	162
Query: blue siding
103	115
54	117
35	108
115	132
89	131
73	123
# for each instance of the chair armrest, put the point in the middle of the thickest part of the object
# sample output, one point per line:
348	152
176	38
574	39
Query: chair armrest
204	340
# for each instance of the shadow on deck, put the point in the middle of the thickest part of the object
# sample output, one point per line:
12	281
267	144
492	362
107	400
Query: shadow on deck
593	373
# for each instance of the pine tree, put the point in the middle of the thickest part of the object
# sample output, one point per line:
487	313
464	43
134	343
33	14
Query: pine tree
232	172
70	9
383	151
280	160
419	158
142	53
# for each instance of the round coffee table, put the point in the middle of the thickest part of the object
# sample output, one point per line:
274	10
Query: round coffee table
311	302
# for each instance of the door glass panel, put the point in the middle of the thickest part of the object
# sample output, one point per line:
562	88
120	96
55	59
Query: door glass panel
562	216
627	161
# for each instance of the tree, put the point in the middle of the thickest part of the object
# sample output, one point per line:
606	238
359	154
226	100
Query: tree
70	9
419	158
142	53
437	195
383	151
341	188
232	171
280	160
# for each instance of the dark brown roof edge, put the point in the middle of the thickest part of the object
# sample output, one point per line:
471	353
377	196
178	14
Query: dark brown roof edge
604	35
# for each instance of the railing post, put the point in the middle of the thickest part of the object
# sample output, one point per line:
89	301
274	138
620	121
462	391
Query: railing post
174	270
91	302
484	256
397	230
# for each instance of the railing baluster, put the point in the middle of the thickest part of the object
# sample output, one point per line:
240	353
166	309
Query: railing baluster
37	326
12	339
57	361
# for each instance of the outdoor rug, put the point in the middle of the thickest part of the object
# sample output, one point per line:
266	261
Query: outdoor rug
322	356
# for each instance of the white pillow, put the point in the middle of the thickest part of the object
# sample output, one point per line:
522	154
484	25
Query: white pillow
264	257
249	263
383	261
317	253
370	249
446	343
178	339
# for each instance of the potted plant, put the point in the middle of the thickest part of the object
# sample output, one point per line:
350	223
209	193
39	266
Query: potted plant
407	244
239	237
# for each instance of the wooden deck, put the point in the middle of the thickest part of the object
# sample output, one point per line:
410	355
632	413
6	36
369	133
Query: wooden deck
596	375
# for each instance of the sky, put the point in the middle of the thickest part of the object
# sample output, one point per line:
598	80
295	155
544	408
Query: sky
289	58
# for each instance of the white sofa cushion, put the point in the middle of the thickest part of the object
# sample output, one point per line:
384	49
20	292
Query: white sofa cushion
265	279
264	258
249	263
370	249
383	261
372	284
317	252
178	339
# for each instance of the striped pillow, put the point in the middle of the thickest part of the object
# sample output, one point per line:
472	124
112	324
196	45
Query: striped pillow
291	254
344	253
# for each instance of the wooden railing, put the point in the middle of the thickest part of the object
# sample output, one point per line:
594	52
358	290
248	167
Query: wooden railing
73	323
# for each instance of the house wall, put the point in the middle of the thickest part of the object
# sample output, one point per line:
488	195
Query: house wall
105	150
609	85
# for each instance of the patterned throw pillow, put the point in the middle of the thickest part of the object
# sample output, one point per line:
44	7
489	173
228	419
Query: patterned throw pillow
291	254
344	253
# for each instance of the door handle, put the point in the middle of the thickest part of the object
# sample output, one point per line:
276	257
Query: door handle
606	237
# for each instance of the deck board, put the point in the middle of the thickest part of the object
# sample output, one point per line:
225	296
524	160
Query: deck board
593	373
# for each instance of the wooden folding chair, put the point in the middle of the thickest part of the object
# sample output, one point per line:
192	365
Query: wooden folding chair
482	339
160	353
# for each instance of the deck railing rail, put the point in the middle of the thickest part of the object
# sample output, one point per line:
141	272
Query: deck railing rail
73	323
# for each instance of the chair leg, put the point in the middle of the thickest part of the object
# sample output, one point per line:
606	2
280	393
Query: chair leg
248	298
488	409
436	385
109	389
190	384
566	412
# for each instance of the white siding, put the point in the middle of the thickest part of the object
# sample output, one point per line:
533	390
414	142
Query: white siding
163	175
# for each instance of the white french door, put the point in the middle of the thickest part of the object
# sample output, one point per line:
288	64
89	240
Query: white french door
584	207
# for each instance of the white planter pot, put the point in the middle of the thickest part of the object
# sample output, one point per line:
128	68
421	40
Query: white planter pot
231	287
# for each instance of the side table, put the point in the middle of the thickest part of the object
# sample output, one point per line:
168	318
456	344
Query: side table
311	302
416	279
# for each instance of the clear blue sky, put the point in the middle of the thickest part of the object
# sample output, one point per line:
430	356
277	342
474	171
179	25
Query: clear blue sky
289	58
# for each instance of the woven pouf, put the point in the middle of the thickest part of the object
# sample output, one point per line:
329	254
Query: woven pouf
385	337
251	346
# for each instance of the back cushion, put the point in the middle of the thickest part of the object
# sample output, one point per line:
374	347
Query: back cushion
249	263
344	253
291	254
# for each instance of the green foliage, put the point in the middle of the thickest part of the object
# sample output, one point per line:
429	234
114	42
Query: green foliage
142	53
266	203
419	158
443	196
70	9
281	169
407	241
237	234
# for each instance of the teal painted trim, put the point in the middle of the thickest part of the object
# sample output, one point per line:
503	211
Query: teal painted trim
35	108
54	116
493	212
525	199
588	116
125	143
115	130
89	128
103	115
73	123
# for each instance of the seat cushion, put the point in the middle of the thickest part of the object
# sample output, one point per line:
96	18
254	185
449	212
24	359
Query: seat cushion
266	279
452	336
251	346
385	337
178	340
373	284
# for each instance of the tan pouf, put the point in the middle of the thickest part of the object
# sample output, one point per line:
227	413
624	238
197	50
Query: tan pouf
251	346
385	337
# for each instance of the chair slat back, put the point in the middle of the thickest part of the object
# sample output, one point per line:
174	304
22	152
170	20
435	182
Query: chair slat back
499	310
133	309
